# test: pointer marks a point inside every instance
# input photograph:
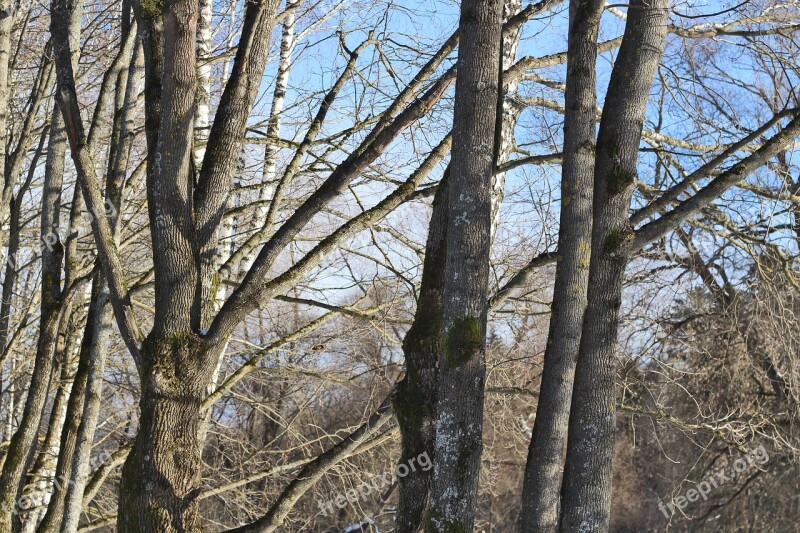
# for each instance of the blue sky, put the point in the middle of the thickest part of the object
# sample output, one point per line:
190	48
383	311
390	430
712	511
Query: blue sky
531	208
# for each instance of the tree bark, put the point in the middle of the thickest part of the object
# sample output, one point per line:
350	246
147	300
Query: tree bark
161	476
7	8
476	128
415	399
23	443
543	469
590	449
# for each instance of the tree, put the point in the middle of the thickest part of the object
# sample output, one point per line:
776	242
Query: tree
461	373
177	358
542	486
266	281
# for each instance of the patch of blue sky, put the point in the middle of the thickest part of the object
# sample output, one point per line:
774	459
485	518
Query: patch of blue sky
530	212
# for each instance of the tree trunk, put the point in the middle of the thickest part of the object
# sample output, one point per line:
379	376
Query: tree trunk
510	109
415	399
590	449
69	432
79	469
459	423
40	485
23	443
161	476
7	8
542	484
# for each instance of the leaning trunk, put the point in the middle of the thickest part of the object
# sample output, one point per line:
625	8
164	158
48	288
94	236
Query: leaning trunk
590	449
415	399
542	484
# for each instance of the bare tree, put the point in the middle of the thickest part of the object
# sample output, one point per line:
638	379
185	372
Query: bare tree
542	487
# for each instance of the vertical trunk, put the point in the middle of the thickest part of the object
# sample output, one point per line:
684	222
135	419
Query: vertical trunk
415	399
161	475
163	468
67	457
278	104
590	449
542	484
268	201
23	443
510	110
266	210
6	27
9	285
162	471
459	424
203	97
63	510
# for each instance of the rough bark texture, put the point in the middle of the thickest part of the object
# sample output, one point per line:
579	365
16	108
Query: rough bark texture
462	370
542	484
162	472
23	443
161	475
177	359
590	450
415	399
170	175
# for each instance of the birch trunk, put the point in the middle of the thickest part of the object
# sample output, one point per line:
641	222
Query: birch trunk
7	9
269	203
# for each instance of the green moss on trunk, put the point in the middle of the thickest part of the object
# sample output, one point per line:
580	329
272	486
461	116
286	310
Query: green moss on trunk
463	341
